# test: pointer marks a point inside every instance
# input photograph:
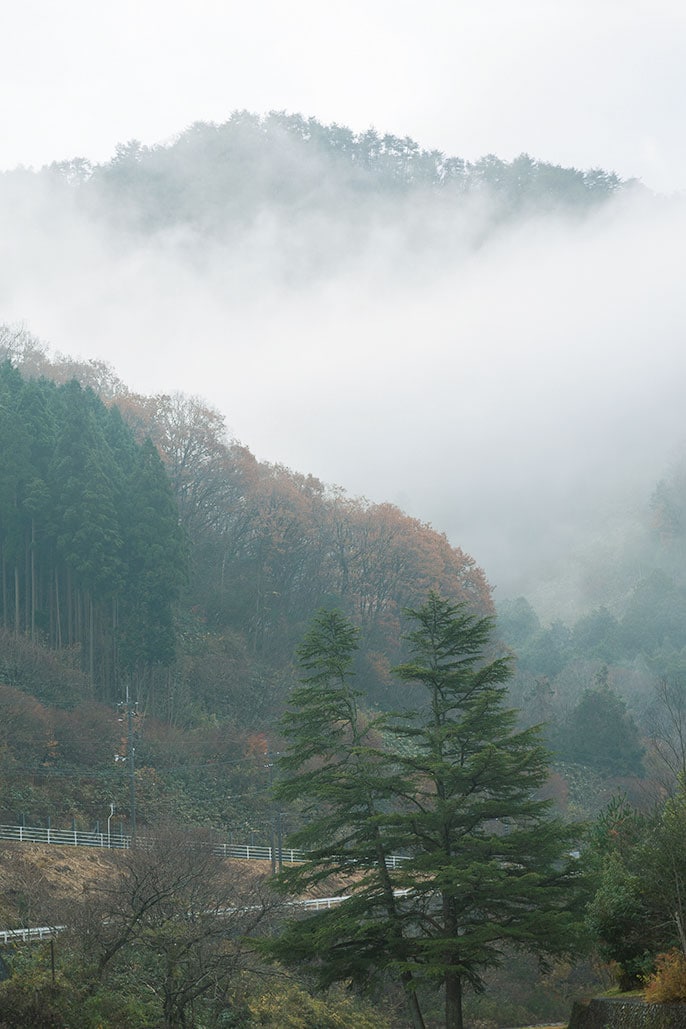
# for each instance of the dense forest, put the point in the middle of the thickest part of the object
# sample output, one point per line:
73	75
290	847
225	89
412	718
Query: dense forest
143	548
192	575
92	552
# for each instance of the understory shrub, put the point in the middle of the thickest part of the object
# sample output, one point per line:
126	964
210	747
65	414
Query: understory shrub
668	982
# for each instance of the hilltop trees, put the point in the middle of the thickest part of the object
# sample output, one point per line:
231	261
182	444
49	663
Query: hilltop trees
215	177
452	785
268	546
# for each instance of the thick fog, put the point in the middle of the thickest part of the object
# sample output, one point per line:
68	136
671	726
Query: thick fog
520	387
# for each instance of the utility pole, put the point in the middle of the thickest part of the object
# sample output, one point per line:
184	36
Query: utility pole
276	831
272	841
131	709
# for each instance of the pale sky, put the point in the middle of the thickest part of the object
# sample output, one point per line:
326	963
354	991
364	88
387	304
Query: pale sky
578	82
524	398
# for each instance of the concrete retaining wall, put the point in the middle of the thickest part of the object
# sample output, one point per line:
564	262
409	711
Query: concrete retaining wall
627	1014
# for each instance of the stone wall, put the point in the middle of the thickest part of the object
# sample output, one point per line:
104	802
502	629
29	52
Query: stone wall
627	1014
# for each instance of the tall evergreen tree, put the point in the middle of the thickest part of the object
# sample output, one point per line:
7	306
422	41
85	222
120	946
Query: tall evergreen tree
87	480
155	557
15	470
489	865
486	865
600	732
336	768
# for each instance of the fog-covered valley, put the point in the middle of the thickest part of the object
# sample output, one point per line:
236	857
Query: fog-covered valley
342	509
349	400
498	354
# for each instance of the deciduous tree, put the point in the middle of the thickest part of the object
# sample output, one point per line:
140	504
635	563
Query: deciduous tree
177	917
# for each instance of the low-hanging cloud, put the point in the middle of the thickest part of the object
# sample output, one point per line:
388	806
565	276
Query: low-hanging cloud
519	387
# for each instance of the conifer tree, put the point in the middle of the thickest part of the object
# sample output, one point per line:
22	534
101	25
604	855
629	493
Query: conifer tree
489	865
155	557
453	786
345	783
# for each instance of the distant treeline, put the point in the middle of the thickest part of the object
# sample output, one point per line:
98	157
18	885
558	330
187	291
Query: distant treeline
216	177
622	664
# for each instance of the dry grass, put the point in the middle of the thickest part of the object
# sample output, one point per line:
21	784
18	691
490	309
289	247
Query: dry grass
37	880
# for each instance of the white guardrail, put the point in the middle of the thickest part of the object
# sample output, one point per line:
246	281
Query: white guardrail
76	838
65	837
47	932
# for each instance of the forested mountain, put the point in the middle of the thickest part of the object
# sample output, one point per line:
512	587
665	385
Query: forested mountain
261	547
213	175
144	548
149	548
215	180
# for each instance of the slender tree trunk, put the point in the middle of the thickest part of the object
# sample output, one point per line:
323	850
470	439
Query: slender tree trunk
114	679
411	1000
453	980
79	633
258	600
391	904
27	582
58	619
17	605
453	1001
680	929
4	588
406	978
33	580
70	610
91	641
